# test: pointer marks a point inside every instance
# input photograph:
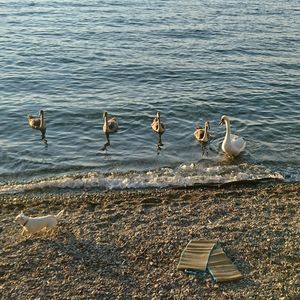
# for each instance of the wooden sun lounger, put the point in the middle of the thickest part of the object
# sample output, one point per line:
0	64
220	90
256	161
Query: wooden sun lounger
202	256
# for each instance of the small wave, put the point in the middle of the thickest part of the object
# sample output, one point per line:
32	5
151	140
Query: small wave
186	175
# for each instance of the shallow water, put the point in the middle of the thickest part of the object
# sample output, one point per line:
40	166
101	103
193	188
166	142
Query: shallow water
191	60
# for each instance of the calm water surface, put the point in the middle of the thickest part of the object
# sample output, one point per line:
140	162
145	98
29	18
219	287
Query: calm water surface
191	60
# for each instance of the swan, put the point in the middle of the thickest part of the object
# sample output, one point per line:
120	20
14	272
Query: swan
157	125
232	144
38	123
110	125
159	128
201	134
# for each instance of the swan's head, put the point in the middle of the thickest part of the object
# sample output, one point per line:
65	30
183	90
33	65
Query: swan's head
104	115
41	112
224	119
158	115
207	126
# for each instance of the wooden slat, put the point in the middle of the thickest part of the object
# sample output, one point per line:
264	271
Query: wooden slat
200	255
195	255
221	267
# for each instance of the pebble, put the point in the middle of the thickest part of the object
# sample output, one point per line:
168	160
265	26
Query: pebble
134	255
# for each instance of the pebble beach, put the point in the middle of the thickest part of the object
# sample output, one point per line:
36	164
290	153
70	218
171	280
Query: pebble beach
127	244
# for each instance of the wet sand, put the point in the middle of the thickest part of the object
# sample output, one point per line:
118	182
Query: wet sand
126	244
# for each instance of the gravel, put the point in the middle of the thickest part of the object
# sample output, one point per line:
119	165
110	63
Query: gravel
126	244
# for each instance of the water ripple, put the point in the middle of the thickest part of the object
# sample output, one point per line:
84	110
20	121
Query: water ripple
193	61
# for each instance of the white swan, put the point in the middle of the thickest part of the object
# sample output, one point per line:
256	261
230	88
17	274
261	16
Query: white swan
201	134
110	125
159	128
232	144
38	123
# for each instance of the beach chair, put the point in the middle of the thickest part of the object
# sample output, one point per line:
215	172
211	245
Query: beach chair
206	256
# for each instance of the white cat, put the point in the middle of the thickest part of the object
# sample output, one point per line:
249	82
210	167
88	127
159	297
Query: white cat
32	225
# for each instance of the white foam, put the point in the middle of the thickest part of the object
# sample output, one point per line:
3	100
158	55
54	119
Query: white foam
183	176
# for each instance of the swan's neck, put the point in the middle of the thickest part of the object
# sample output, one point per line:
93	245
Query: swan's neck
42	118
228	130
158	122
205	136
105	122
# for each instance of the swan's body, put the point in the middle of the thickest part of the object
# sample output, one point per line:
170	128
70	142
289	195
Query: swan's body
201	134
110	125
157	125
232	144
38	123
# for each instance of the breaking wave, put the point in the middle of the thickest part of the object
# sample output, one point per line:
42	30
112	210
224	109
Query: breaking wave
185	175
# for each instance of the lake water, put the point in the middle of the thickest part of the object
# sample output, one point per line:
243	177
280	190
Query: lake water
191	60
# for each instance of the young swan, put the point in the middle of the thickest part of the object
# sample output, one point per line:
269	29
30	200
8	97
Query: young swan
38	123
158	127
201	134
110	125
32	225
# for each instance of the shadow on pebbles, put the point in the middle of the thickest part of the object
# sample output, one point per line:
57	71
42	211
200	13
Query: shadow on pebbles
126	244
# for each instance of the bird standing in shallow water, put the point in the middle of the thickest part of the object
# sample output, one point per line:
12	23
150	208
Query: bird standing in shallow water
201	134
232	144
159	128
110	125
38	123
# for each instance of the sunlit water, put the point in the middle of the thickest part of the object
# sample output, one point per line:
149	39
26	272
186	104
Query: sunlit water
191	60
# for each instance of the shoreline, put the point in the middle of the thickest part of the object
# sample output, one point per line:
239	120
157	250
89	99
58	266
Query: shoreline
126	244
